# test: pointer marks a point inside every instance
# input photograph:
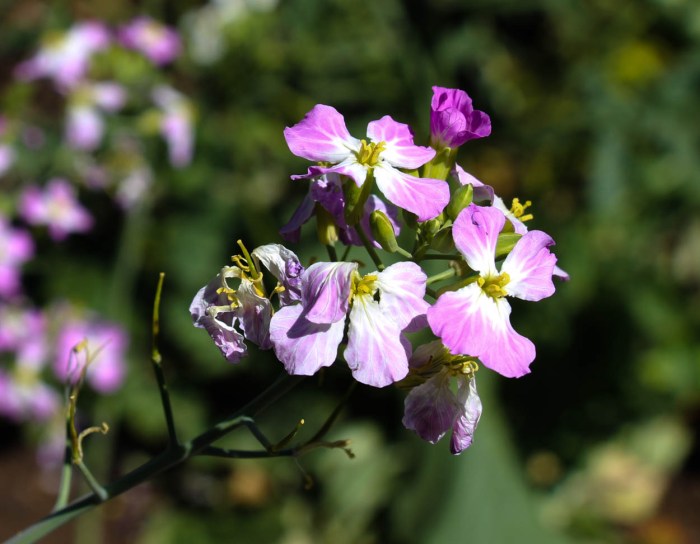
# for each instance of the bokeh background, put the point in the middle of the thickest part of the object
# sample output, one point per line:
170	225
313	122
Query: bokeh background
595	109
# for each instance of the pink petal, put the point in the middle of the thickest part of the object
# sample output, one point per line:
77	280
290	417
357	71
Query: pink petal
402	288
424	197
301	345
321	136
400	150
475	233
530	265
431	408
465	425
470	322
375	352
326	291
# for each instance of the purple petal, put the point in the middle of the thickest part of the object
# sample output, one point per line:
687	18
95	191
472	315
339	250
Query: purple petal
375	352
518	226
301	345
430	409
349	235
400	150
465	425
425	197
321	136
530	265
475	233
453	120
292	230
402	288
254	314
326	291
470	322
561	274
328	192
482	192
285	266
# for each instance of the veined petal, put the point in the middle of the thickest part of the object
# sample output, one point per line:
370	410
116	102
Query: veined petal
292	230
518	226
254	314
465	425
375	353
303	346
402	288
400	150
321	136
482	192
475	233
431	409
425	197
470	322
530	265
326	291
229	341
285	266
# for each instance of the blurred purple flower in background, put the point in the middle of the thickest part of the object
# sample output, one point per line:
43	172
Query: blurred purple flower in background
85	125
176	124
16	247
55	207
158	42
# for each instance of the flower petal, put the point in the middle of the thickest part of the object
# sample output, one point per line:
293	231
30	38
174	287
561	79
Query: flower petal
470	322
530	265
301	345
326	291
321	136
482	192
475	233
431	408
400	150
425	197
402	288
254	314
375	352
465	425
285	266
292	230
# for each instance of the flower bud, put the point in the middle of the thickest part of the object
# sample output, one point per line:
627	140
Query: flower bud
442	241
461	198
325	227
383	231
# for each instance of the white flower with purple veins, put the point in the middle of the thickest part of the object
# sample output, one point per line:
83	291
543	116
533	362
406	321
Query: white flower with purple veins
381	307
232	315
475	320
56	207
322	137
101	345
159	43
85	123
16	247
65	57
432	408
176	124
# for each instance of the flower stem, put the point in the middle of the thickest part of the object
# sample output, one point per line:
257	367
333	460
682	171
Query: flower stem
332	255
449	273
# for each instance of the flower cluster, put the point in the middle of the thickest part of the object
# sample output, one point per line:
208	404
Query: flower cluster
332	310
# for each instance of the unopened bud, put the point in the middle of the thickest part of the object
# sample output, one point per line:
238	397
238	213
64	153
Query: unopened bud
355	199
325	227
461	198
383	231
506	242
442	241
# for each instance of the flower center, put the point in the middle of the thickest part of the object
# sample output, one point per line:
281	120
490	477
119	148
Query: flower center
518	210
369	152
494	286
364	286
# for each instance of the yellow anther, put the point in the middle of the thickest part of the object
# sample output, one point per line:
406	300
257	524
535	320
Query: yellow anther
365	285
369	153
518	209
494	286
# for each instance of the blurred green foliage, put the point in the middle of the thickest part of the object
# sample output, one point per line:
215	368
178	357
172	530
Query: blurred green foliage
594	107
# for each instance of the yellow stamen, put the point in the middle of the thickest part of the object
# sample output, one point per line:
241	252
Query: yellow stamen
369	153
518	210
494	285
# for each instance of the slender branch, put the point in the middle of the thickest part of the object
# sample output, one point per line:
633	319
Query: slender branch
97	489
332	255
156	359
346	253
441	276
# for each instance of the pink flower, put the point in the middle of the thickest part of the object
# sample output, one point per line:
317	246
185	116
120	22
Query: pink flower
322	137
16	247
176	124
56	207
85	125
104	350
475	320
453	120
65	57
159	43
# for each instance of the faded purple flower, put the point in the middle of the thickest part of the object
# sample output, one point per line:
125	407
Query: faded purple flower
65	57
453	120
158	42
380	306
322	137
55	207
100	345
475	320
176	124
16	247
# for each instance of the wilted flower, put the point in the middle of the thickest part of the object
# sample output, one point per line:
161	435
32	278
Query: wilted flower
56	207
322	137
475	320
453	120
159	43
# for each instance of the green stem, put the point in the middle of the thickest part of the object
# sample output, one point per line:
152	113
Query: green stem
332	255
441	276
401	251
156	359
436	257
97	489
369	247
